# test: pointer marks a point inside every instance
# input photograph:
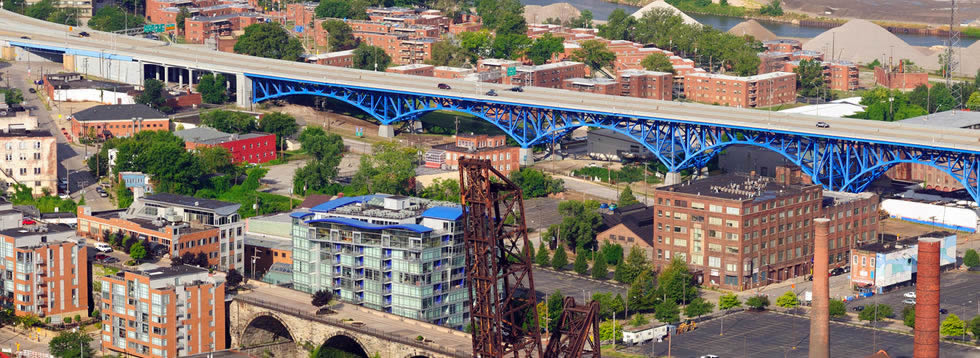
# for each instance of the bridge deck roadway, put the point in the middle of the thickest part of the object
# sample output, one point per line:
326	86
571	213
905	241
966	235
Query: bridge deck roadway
13	26
387	324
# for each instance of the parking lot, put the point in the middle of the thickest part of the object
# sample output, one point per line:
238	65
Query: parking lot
959	294
547	282
765	334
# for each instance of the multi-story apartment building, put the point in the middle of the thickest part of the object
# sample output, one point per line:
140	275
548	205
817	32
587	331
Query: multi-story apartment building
392	253
490	147
182	223
244	148
337	59
739	231
415	69
164	312
839	75
753	91
199	28
546	75
46	271
646	84
30	156
607	86
782	45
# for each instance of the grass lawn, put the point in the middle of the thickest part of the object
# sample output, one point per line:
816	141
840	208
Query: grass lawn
610	351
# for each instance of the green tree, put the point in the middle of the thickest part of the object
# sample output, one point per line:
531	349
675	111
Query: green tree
675	282
657	62
952	326
39	10
544	48
635	263
757	303
837	309
391	169
581	265
583	21
182	16
269	40
975	327
113	18
599	268
875	312
971	258
371	58
12	95
608	305
229	121
327	151
216	159
212	87
560	260
626	197
772	9
233	279
556	304
788	300
65	16
873	64
619	26
340	37
728	301
502	16
510	46
152	94
71	344
283	125
443	190
908	316
542	258
476	45
535	184
809	79
639	319
13	5
594	54
341	9
613	253
610	331
446	53
642	292
137	251
124	197
973	103
698	307
580	223
667	311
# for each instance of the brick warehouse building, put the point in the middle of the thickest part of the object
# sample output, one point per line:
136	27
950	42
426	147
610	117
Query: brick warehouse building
493	148
244	148
738	231
123	120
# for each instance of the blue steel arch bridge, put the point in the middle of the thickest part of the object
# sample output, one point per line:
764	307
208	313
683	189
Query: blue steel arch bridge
835	162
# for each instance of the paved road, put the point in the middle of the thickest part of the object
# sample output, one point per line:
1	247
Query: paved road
547	282
14	26
599	190
762	335
959	294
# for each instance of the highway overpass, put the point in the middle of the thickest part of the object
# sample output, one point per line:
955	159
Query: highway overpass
848	155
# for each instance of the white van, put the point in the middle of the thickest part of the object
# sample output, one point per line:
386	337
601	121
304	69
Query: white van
103	247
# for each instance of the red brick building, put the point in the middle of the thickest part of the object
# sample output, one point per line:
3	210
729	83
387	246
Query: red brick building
451	72
164	312
244	148
199	28
337	59
122	120
592	85
750	92
629	226
896	77
839	75
301	13
646	84
493	148
782	45
415	69
52	271
546	75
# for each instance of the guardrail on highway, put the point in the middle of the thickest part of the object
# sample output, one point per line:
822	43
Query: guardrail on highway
452	352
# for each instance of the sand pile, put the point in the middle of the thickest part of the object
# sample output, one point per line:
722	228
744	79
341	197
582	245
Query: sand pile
660	4
536	14
862	42
752	28
969	60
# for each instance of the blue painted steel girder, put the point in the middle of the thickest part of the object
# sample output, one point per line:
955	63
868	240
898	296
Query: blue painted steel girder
835	163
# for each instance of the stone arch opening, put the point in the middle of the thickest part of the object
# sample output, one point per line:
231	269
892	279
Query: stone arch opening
341	346
265	330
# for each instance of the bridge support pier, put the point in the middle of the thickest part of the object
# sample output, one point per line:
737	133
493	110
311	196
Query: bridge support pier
386	131
243	91
525	156
166	74
672	178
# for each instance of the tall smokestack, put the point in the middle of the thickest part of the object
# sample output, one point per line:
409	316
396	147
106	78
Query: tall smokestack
820	314
927	300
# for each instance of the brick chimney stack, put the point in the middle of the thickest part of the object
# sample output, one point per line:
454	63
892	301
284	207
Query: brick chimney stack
926	335
820	314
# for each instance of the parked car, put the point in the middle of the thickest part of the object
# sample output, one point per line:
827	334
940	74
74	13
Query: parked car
910	294
909	301
103	194
84	34
26	37
858	308
517	89
110	260
158	250
103	247
100	257
822	125
31	90
943	311
492	93
444	86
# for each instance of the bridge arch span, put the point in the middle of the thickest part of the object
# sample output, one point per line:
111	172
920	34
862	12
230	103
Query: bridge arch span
346	343
265	328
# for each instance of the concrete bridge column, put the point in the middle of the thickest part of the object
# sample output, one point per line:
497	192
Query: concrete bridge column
386	131
525	156
672	178
166	74
243	90
180	77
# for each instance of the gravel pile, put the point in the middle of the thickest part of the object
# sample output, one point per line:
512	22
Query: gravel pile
862	42
660	4
969	60
536	14
752	28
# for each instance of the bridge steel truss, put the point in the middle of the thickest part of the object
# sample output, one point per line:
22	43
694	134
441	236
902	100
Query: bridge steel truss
834	161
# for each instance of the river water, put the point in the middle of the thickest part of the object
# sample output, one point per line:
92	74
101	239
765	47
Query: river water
601	10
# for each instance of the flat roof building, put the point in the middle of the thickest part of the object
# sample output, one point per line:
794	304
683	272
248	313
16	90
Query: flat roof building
256	147
30	159
125	120
51	266
749	92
